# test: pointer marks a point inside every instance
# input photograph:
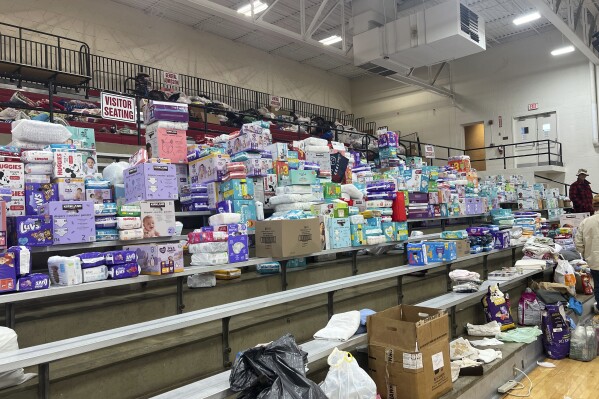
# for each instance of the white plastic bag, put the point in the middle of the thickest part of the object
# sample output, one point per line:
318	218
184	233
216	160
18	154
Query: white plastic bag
8	343
345	379
564	274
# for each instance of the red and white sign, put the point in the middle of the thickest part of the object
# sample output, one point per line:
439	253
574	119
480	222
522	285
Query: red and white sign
533	106
170	81
500	121
275	102
118	108
429	151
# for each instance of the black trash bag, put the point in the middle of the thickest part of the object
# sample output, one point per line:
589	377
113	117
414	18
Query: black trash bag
274	371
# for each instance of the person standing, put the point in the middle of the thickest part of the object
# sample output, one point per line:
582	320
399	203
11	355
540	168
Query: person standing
581	194
587	242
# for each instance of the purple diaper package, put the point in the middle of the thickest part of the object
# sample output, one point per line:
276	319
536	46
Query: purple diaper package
158	259
73	221
225	207
165	111
120	257
151	181
238	243
195	207
194	188
126	270
377	186
91	259
33	282
194	197
477	231
382	195
8	275
22	259
32	231
105	222
37	194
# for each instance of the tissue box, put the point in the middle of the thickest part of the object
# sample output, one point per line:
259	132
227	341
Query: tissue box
67	165
73	221
210	168
168	144
8	274
70	189
37	194
150	181
82	137
31	231
441	251
158	259
417	255
302	177
165	111
338	232
158	218
237	189
98	195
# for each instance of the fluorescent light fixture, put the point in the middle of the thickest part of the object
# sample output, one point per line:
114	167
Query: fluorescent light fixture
331	40
533	16
563	50
247	9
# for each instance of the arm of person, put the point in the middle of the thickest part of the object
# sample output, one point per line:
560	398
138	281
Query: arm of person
579	239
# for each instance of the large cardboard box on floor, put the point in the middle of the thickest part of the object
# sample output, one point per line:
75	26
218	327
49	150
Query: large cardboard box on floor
408	352
283	238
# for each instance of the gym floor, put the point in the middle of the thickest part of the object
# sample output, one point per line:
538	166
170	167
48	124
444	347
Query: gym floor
570	379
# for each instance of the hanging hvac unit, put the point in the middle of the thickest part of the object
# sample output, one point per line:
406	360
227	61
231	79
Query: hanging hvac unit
440	33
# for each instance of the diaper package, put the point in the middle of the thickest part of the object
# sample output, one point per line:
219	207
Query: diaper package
91	259
209	247
97	273
126	270
65	270
41	179
105	222
158	218
67	165
70	189
133	234
39	157
224	218
379	204
106	209
120	257
227	274
197	237
33	282
38	168
268	268
209	259
22	259
158	259
128	222
201	280
107	234
129	210
37	194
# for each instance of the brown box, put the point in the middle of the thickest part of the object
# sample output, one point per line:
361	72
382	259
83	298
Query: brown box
408	352
463	246
286	238
196	112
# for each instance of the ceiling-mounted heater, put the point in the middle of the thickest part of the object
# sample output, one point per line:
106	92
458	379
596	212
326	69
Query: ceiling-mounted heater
440	33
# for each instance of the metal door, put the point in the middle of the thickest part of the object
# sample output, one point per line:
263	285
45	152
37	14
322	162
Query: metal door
547	130
525	132
529	133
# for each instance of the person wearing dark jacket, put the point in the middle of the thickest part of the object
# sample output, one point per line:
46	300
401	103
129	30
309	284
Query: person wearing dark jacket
581	193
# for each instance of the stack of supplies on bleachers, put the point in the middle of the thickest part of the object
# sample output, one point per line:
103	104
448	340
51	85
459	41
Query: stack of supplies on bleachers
122	264
297	190
317	152
15	271
528	221
481	239
465	281
128	221
541	248
106	222
194	197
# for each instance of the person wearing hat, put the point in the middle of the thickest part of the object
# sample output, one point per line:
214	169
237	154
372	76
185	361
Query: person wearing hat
581	193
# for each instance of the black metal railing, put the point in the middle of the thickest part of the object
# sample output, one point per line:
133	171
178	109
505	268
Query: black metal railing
545	152
29	49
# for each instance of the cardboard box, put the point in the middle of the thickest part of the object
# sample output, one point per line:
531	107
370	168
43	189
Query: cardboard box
210	168
302	177
31	231
323	159
214	195
67	165
37	194
196	112
408	352
168	144
338	232
158	259
165	111
73	221
462	246
287	238
158	218
441	251
572	219
279	151
151	181
70	189
82	137
99	195
357	235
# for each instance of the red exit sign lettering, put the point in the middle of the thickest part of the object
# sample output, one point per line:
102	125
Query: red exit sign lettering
533	106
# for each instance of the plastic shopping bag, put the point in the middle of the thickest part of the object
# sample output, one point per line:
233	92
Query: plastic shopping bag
345	379
564	274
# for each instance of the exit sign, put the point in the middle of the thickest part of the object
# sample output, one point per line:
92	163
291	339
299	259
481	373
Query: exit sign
533	106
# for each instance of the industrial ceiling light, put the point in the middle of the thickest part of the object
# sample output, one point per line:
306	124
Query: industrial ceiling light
247	9
563	50
533	16
331	40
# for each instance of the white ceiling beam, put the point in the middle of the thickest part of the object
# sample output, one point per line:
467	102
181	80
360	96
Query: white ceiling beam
270	7
323	20
229	14
422	84
549	11
310	30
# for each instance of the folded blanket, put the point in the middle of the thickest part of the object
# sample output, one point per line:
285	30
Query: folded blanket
341	327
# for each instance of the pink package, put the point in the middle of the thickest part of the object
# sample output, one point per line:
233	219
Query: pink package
197	237
141	156
236	167
234	175
167	143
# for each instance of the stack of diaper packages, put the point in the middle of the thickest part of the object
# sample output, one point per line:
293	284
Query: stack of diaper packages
317	151
98	191
128	222
382	199
105	221
299	191
15	271
93	266
238	197
194	197
122	264
67	174
12	182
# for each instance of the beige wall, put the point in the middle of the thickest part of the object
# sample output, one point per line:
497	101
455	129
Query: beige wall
499	82
117	31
